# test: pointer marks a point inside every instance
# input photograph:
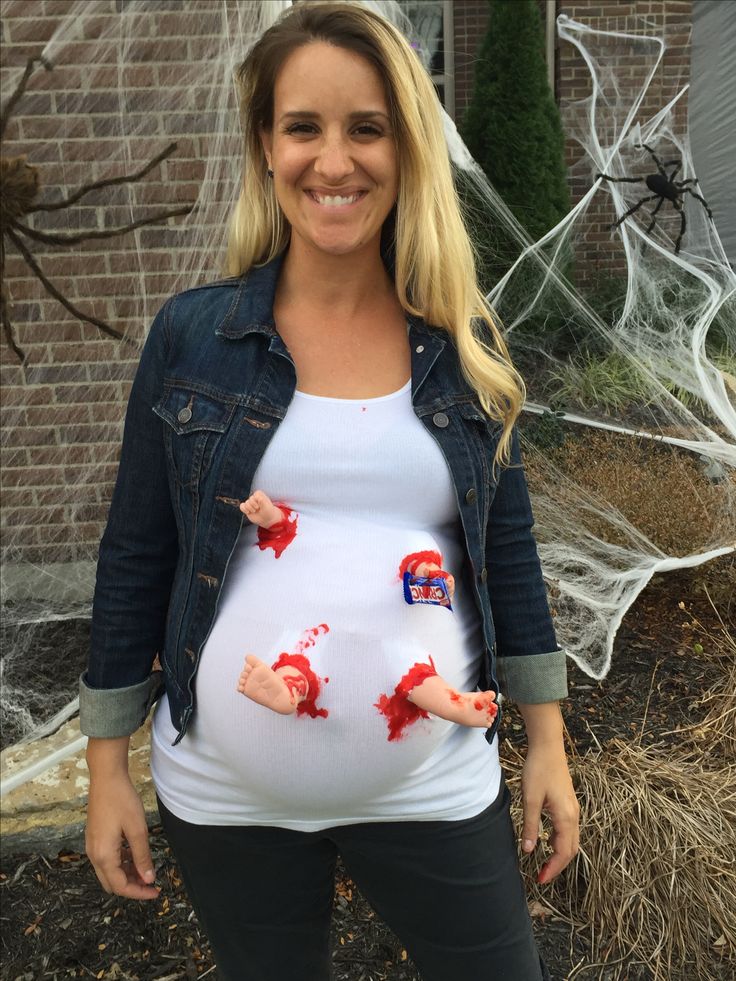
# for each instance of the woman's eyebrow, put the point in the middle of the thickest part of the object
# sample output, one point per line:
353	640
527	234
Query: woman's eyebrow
360	114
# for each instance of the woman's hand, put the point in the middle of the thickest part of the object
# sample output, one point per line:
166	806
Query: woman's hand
117	834
546	786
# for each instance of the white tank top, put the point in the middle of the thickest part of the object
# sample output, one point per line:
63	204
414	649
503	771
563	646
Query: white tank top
367	485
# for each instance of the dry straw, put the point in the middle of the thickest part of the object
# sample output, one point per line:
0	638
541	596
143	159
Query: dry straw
655	880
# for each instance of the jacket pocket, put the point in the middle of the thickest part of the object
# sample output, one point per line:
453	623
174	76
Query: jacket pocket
195	423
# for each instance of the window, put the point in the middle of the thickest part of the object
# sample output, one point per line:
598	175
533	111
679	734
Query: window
432	23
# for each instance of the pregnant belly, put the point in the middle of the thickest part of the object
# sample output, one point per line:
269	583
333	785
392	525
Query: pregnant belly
337	759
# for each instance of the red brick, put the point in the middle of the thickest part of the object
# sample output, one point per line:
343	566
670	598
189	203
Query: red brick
167	50
36	29
54	415
132	261
56	373
10	457
89	433
27	436
32	476
94	392
17	517
63	495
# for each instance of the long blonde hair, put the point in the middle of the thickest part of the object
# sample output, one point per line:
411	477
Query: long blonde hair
435	273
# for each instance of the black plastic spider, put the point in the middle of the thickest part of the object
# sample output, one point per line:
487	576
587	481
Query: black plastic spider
20	184
665	187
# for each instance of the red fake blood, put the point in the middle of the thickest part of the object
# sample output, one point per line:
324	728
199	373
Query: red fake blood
297	685
397	708
281	533
410	563
312	681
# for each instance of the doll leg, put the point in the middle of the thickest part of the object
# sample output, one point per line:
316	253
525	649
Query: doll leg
430	569
473	708
281	690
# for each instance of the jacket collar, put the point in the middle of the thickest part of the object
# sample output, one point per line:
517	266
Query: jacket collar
251	311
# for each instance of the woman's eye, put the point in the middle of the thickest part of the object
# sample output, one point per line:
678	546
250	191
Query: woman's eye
367	130
364	129
299	128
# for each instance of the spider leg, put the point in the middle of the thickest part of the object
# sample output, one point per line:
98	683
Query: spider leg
676	171
109	182
108	233
659	163
622	180
634	208
8	328
20	89
79	314
653	222
682	226
689	190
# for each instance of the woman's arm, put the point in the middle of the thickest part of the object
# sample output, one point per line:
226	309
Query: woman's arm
546	786
137	560
530	666
117	836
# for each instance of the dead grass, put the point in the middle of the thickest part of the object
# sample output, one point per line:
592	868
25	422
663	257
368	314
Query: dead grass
660	490
655	880
715	731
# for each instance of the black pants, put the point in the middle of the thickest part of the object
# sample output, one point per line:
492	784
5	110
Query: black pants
450	890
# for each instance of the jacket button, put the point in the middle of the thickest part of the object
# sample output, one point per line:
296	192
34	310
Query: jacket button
184	414
440	419
419	348
471	497
483	574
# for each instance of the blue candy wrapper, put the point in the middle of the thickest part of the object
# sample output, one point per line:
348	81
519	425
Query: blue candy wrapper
425	589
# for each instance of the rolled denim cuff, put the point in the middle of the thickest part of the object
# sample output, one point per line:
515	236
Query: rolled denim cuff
533	678
108	713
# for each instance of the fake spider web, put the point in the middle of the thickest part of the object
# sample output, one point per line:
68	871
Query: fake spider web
596	556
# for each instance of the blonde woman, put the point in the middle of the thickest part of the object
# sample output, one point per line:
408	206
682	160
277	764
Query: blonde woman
351	366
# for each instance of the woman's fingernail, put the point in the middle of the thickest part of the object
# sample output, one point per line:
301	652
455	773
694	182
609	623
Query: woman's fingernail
148	875
528	845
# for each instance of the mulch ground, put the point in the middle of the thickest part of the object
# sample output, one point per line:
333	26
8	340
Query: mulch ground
58	923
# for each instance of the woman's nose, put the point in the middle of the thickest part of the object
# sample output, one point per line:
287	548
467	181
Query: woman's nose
334	160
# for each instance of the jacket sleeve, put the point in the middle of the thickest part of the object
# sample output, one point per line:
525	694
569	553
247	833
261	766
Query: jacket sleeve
530	665
136	565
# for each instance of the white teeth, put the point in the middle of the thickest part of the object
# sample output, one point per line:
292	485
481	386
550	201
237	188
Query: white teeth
334	199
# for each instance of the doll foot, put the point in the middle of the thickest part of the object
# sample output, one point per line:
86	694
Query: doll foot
473	708
280	692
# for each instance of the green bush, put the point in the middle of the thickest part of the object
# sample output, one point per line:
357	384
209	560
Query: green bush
513	130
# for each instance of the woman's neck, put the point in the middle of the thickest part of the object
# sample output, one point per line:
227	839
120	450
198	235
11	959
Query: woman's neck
336	284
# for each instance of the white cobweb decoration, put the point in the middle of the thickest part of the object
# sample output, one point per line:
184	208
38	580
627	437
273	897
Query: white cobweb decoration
596	559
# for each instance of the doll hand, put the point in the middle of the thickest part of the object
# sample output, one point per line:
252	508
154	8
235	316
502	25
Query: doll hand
260	509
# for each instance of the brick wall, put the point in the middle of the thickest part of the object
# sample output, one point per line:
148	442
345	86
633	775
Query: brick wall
62	411
600	253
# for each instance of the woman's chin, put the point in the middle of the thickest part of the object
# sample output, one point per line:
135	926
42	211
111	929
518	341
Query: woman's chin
339	245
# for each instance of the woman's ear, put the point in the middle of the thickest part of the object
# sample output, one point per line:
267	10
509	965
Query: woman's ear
266	143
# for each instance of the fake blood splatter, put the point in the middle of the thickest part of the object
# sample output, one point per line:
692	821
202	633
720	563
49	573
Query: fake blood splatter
281	534
411	562
398	710
308	677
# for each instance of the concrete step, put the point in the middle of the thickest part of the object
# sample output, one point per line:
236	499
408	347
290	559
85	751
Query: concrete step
47	813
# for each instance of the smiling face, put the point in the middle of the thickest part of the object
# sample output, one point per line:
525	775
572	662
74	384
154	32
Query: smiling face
332	150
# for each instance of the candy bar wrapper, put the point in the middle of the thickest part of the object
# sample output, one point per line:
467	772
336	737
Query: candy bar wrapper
424	589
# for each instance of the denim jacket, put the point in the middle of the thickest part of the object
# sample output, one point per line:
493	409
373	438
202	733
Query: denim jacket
214	381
